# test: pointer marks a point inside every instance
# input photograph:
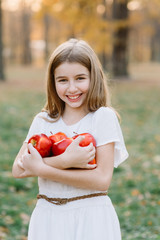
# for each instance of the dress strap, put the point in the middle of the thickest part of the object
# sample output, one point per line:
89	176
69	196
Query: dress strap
61	201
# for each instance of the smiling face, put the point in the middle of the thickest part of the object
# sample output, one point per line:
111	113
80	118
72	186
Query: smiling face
72	82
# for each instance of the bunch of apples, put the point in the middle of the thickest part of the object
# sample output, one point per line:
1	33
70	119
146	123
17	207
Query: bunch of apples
57	143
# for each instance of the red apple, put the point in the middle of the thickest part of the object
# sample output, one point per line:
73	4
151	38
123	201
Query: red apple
57	137
42	144
59	147
86	141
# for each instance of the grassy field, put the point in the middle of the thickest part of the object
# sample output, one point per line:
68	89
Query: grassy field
135	187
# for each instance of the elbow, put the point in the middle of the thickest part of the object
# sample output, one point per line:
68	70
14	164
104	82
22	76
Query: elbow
103	182
104	185
15	174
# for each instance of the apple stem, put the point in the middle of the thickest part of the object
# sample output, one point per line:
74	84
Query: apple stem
51	132
75	133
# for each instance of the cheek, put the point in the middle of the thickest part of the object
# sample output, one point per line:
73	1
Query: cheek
59	89
86	87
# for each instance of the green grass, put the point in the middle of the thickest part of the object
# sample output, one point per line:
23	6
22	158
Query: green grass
135	186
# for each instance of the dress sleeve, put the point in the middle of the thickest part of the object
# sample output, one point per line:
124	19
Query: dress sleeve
106	130
36	126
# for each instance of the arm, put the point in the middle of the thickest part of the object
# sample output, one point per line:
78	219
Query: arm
75	156
17	171
96	179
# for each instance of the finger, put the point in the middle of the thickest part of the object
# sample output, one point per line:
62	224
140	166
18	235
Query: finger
23	157
24	174
79	139
91	166
33	151
90	147
26	151
20	164
93	152
92	157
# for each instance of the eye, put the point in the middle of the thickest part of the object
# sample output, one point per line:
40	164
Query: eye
63	80
80	78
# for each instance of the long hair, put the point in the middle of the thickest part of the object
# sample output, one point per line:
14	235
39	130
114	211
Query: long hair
76	51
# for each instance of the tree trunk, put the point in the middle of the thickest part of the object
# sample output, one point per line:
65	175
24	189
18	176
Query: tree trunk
104	58
120	39
46	35
26	50
155	44
2	77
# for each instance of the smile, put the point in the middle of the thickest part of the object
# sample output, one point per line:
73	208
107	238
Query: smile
74	97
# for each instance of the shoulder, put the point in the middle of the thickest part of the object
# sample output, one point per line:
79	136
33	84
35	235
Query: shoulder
43	116
105	113
105	121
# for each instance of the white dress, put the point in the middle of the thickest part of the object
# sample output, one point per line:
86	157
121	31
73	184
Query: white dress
87	219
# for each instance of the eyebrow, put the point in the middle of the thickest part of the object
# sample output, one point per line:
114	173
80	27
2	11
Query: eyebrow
78	75
81	74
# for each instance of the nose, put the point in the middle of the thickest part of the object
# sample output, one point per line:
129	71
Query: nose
72	88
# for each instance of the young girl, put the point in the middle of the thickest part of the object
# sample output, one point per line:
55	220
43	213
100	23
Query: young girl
72	202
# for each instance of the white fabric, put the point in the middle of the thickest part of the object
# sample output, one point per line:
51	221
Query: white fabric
88	219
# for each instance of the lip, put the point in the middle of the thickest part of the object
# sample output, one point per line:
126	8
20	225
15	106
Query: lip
74	98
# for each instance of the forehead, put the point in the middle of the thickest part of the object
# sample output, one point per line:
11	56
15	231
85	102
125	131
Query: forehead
68	68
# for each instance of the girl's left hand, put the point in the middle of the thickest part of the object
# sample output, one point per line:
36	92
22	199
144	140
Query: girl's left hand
31	162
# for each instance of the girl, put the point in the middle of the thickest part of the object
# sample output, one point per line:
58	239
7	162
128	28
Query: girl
72	202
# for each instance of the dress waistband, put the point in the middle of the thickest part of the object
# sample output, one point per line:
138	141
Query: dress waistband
61	201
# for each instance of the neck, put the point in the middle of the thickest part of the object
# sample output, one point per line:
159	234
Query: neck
71	116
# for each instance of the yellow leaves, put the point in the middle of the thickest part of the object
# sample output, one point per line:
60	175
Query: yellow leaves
156	159
31	202
3	232
49	3
25	218
127	213
152	145
143	203
58	7
8	220
135	192
157	138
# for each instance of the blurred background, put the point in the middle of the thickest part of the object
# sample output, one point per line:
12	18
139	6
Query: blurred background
121	31
126	36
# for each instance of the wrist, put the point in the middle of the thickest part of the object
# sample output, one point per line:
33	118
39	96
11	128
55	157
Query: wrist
40	170
63	161
56	161
43	171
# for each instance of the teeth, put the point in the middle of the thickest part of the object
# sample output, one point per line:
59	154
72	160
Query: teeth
73	97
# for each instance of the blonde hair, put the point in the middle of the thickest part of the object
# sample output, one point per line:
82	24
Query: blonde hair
80	52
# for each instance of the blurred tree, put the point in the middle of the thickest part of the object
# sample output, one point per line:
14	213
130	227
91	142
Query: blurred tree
87	20
155	43
2	77
46	20
102	10
25	34
144	35
105	24
46	15
120	38
12	40
152	13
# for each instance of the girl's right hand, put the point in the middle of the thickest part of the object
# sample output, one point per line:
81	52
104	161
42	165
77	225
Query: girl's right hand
79	157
